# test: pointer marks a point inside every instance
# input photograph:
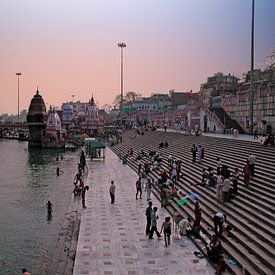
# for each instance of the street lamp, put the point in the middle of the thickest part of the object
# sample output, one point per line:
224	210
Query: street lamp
121	45
251	96
18	75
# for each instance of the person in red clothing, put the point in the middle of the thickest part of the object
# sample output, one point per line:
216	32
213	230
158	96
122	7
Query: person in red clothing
25	272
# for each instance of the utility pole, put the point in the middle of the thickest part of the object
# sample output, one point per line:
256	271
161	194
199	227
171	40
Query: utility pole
251	97
121	45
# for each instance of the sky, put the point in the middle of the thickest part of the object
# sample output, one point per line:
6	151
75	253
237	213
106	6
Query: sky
69	47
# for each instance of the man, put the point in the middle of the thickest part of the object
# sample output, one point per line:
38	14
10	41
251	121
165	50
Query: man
148	214
252	161
255	131
218	219
154	228
194	150
112	191
138	188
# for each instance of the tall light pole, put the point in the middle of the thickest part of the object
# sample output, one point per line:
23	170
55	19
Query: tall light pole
251	97
18	75
121	45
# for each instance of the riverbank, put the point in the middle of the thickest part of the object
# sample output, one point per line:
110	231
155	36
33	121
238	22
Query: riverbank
65	251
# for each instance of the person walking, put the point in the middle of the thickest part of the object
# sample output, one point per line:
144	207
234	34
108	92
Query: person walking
148	214
218	219
166	228
194	150
138	188
246	174
112	191
255	131
154	228
200	153
252	162
219	166
148	189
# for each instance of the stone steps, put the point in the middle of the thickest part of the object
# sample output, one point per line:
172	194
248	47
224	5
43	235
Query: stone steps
250	235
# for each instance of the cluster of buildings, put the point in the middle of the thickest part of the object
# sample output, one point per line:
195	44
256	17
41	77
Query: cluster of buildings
222	104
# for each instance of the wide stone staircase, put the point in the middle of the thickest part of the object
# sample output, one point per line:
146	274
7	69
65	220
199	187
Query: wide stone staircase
250	214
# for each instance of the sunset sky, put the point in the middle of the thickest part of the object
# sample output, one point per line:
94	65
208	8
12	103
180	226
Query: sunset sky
68	47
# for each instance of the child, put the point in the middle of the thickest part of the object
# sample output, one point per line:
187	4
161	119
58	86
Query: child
166	227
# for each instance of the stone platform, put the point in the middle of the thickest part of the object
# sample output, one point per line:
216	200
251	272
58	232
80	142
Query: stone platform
112	237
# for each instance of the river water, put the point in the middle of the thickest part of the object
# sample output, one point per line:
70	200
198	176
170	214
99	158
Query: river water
27	181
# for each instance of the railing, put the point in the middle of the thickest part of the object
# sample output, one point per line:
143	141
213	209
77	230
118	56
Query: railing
213	116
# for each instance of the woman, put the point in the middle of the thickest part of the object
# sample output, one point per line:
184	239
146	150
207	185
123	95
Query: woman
246	174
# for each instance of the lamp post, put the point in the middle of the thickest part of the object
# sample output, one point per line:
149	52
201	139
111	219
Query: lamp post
121	45
18	75
251	96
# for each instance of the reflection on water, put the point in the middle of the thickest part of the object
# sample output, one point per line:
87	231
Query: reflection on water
28	234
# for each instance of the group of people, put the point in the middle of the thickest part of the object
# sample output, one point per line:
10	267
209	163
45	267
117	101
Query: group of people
79	187
225	181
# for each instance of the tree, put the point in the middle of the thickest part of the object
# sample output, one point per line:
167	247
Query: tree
132	96
128	98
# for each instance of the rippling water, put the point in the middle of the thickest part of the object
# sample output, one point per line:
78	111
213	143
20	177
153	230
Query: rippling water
27	181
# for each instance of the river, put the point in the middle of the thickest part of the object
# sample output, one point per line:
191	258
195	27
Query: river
27	181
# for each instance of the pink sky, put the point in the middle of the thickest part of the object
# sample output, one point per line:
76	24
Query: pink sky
68	47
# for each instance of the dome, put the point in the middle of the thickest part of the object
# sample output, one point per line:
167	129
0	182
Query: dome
37	105
53	121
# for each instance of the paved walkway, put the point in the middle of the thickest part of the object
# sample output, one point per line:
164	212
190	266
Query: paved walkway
227	136
112	237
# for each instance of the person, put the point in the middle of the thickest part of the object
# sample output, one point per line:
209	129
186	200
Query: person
148	214
194	150
25	272
235	179
219	188
163	197
226	190
57	171
214	249
112	191
83	193
61	157
204	177
57	158
255	131
219	166
165	127
218	219
221	265
138	188
200	153
148	189
246	174
49	206
197	221
166	228
185	226
154	228
252	162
